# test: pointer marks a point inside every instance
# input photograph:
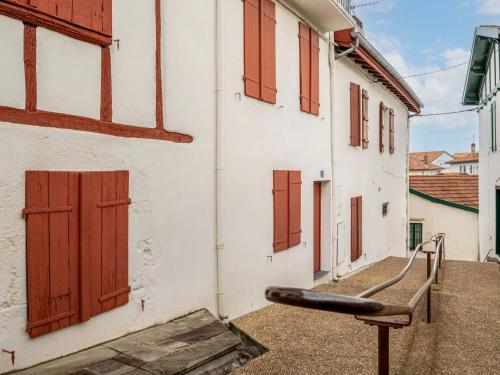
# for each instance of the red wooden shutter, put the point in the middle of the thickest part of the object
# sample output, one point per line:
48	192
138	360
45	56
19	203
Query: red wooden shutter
280	192
314	73
355	115
381	126
52	250
294	208
365	98
354	229
104	241
360	226
392	146
305	67
268	51
252	48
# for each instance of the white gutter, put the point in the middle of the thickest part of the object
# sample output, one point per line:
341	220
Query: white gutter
219	160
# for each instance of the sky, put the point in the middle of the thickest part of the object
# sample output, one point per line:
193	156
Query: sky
418	36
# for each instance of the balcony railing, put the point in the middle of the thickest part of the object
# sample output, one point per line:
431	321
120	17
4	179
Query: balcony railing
347	4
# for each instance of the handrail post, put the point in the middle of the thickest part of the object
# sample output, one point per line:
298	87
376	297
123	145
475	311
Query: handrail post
428	289
383	350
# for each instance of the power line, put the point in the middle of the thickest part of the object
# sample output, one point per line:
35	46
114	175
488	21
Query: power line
436	71
445	113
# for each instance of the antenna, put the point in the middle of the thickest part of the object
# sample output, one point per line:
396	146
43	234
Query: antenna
360	5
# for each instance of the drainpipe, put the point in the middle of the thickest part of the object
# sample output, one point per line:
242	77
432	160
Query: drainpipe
219	161
356	35
334	239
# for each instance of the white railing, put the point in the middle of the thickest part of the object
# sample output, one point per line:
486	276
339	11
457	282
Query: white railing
347	4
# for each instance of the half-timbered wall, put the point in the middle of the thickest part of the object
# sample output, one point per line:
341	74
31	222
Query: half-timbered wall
171	184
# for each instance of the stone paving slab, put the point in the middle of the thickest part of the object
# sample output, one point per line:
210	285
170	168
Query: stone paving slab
172	348
463	338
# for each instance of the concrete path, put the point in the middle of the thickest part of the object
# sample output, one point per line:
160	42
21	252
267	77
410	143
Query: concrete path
463	338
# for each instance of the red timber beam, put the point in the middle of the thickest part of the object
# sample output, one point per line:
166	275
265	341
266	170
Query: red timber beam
363	58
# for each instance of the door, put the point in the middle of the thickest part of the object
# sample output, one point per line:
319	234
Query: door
497	225
317	226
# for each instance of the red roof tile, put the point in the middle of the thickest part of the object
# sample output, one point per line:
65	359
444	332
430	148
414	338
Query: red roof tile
451	187
462	157
418	161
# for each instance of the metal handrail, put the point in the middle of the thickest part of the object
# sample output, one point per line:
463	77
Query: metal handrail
359	304
371	311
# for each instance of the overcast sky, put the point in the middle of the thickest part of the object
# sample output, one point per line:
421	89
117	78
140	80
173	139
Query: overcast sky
419	36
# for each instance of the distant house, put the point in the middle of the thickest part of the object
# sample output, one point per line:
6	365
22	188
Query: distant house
481	88
465	162
428	163
446	203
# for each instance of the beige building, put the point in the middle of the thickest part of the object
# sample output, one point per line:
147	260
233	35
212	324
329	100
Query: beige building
446	203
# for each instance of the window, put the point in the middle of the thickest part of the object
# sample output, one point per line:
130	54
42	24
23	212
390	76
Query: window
309	69
381	126
415	235
287	209
356	228
260	49
493	111
76	246
392	145
355	99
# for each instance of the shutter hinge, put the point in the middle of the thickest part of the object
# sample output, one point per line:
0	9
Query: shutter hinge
44	210
114	203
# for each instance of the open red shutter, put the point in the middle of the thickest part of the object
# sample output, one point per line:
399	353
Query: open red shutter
252	48
381	126
314	73
365	98
355	115
104	241
354	229
280	193
268	51
305	67
294	208
51	250
392	147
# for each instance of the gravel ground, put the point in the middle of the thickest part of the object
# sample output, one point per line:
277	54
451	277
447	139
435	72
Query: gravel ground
463	338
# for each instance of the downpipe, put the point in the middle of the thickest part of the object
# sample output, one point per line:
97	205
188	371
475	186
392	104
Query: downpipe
356	35
219	157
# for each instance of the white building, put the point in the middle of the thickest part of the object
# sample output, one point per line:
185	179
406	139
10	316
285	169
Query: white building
446	203
225	147
481	87
465	162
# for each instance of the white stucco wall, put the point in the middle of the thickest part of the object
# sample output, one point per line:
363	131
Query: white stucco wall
377	177
460	226
489	181
171	230
259	138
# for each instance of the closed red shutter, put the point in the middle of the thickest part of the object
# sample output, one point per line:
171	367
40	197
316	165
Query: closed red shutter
104	241
355	115
52	250
305	67
381	126
392	146
252	48
294	208
268	51
315	73
280	194
356	228
365	116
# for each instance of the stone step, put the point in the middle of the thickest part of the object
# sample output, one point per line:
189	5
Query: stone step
194	344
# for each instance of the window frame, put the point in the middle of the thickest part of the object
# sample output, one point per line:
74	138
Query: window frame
412	240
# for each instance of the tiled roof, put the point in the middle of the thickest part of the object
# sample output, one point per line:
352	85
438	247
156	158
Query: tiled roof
417	161
462	157
452	187
433	155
